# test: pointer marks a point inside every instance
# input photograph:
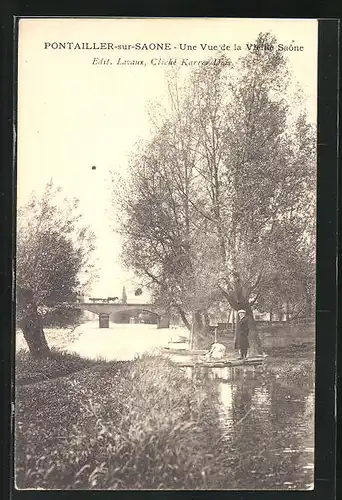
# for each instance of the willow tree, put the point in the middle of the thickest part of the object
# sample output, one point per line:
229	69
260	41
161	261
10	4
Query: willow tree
158	223
257	160
228	171
53	261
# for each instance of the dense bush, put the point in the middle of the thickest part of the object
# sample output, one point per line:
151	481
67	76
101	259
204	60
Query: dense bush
121	425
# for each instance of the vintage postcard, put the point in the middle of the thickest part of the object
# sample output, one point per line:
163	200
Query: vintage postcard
166	246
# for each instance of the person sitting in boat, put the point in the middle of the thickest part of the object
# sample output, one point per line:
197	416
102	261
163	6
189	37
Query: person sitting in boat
216	351
242	331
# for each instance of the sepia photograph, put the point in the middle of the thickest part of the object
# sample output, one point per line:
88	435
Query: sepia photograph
165	272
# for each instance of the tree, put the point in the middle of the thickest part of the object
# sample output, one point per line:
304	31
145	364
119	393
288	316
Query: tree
156	214
53	262
259	165
223	192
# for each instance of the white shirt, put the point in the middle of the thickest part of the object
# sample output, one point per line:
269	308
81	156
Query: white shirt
217	350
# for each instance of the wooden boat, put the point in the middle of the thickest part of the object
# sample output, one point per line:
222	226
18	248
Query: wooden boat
221	363
196	358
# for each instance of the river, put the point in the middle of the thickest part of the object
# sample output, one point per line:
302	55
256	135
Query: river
267	426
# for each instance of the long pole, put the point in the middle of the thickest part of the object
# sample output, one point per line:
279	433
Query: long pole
191	335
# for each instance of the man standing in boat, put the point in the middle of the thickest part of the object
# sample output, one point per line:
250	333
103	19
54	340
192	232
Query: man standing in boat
242	331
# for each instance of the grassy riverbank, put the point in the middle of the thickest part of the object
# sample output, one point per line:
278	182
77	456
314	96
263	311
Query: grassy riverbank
94	424
119	425
61	363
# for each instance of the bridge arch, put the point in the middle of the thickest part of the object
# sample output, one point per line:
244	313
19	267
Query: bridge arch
105	309
138	309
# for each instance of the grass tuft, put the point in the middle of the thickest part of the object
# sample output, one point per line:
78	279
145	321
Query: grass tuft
60	363
120	425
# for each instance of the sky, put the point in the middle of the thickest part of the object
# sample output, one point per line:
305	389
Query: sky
73	114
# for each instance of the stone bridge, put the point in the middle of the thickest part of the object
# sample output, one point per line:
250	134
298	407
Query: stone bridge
105	309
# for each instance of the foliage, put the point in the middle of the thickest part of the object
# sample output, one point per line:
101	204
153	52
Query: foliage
142	425
219	204
53	264
123	425
59	364
54	248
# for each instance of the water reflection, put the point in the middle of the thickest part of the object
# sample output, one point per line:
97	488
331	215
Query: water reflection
262	400
267	426
225	409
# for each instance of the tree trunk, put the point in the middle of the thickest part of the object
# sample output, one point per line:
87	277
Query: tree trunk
287	312
238	300
184	318
32	327
254	339
35	337
280	315
271	317
233	322
229	314
206	320
199	335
